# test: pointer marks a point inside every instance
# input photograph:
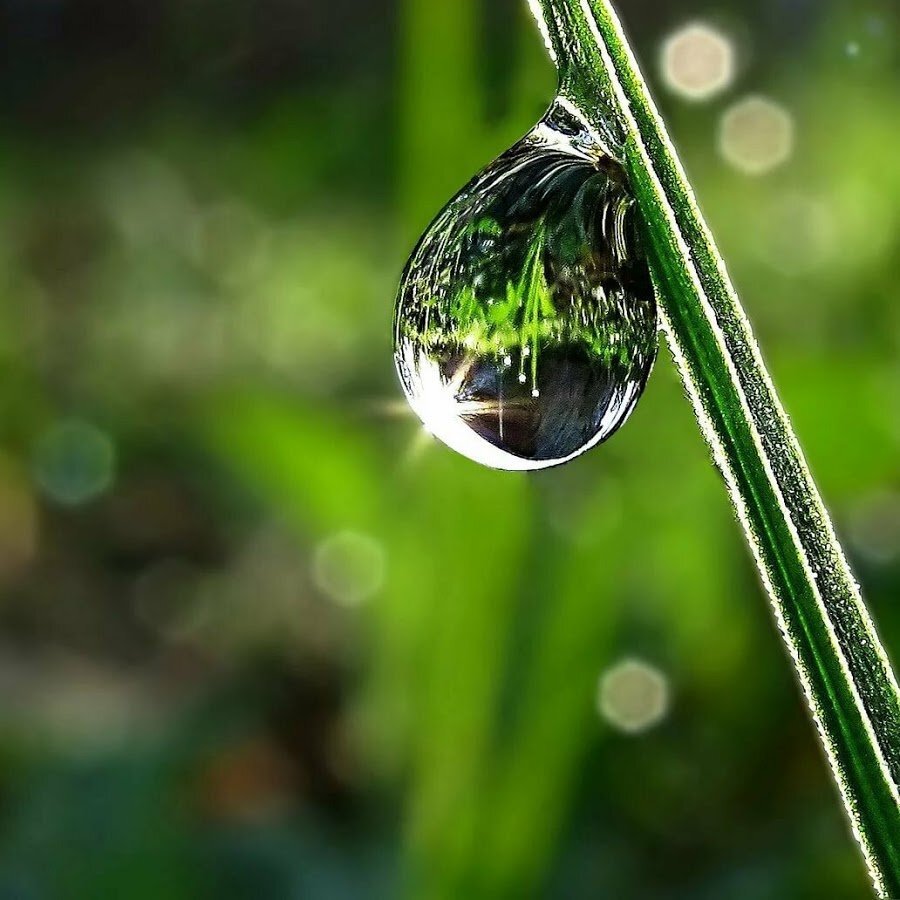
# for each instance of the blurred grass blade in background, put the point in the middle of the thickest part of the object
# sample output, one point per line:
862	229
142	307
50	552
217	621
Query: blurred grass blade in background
842	666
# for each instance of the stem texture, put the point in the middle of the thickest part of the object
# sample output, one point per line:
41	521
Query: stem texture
843	668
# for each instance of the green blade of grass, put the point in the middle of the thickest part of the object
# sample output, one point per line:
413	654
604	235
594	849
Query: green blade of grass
842	666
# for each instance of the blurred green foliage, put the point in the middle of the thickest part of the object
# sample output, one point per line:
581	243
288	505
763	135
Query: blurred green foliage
260	638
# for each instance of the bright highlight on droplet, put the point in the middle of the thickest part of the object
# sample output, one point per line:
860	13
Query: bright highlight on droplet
74	462
698	62
633	696
349	568
756	136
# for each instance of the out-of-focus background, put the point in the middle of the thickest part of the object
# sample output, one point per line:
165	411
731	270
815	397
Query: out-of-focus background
259	637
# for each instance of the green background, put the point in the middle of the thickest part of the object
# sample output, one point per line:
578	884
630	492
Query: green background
259	638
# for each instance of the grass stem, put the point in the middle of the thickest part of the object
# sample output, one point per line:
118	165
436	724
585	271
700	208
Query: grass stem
842	666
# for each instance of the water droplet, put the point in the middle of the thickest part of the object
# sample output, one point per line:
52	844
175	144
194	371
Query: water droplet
526	324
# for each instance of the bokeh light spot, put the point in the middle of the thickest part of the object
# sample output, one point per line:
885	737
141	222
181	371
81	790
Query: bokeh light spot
698	62
633	696
74	462
167	599
875	528
349	568
802	234
756	136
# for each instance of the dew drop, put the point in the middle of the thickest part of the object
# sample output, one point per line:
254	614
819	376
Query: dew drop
526	323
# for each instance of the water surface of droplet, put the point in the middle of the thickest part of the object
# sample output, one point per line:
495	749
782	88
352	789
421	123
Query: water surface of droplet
526	323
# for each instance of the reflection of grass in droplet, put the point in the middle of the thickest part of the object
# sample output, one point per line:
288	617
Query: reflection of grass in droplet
527	315
551	291
518	319
515	320
535	291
